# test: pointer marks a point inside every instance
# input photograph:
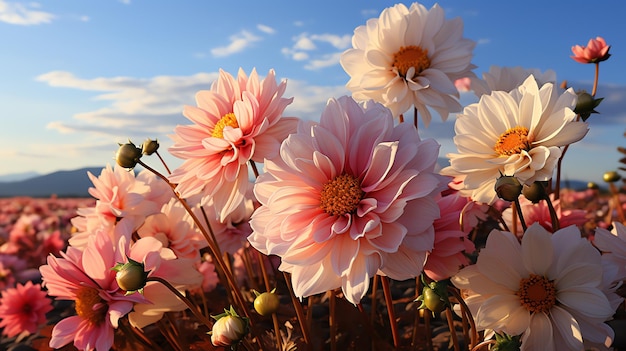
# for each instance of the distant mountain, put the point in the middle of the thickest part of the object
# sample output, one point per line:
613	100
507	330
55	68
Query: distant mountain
18	176
72	183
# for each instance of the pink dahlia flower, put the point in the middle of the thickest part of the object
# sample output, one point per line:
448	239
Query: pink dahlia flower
595	51
238	120
349	197
23	309
85	276
451	243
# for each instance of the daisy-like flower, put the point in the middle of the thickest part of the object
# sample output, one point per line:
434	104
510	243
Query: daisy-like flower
508	78
349	197
548	289
85	276
238	120
519	133
23	309
409	57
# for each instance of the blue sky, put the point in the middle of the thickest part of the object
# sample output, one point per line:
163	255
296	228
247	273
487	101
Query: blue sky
77	77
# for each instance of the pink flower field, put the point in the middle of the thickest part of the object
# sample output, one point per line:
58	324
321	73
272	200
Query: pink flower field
343	233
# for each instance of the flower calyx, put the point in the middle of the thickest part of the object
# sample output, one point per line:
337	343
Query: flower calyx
586	104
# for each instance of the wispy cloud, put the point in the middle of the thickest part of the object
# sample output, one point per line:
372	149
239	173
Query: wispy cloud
306	47
238	43
21	14
133	106
265	29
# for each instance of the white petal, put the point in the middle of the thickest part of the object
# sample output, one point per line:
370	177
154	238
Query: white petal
568	328
537	249
539	335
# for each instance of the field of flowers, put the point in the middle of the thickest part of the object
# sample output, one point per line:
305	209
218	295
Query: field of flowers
350	236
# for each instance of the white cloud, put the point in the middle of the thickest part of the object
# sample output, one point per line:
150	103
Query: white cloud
265	29
25	15
324	61
339	42
238	43
304	43
84	18
125	2
305	48
483	41
298	23
133	106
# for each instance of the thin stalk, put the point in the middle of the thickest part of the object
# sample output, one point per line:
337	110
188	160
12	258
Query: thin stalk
239	301
163	162
390	311
299	311
268	288
484	343
332	320
553	216
416	322
453	336
415	117
183	298
518	208
595	80
373	298
466	311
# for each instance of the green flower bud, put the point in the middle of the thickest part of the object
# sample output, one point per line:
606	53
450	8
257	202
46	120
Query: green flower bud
150	146
508	188
586	104
128	155
266	303
506	342
592	185
131	276
434	296
535	192
611	177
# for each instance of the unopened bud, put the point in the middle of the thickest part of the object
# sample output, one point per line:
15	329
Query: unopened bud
128	155
586	104
592	185
611	177
266	303
535	192
131	276
229	328
150	146
508	188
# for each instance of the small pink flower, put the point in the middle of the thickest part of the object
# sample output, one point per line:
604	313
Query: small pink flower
173	228
23	308
238	120
451	243
540	213
463	84
349	198
209	276
595	51
85	276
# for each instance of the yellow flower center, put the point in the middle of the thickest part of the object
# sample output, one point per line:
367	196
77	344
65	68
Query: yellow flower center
86	299
513	141
411	56
228	119
341	195
537	293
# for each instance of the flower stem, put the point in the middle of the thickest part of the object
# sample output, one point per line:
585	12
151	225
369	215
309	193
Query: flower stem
239	301
390	311
518	208
163	162
453	336
184	299
595	80
299	311
553	216
332	320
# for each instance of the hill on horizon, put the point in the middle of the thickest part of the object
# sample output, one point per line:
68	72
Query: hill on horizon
71	183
